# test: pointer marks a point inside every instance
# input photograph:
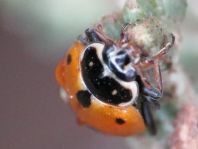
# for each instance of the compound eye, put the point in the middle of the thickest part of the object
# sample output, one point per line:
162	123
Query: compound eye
122	59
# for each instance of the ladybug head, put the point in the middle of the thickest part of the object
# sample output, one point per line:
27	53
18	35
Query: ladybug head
119	62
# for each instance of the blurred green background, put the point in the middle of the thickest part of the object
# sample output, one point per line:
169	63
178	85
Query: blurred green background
34	35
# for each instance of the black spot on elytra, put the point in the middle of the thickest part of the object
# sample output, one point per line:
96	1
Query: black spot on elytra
84	98
69	59
120	121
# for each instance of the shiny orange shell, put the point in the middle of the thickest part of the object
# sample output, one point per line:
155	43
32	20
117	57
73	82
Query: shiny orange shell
121	121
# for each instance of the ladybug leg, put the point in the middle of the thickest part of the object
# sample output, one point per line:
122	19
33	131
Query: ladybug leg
148	117
152	92
152	95
165	49
153	101
92	35
159	55
148	90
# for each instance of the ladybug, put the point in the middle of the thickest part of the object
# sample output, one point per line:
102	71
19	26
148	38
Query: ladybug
106	86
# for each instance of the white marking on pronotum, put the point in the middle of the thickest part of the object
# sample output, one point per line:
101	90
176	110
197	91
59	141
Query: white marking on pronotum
91	64
133	85
114	92
99	48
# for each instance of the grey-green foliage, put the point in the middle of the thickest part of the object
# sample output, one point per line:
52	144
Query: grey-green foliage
170	10
153	21
174	10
